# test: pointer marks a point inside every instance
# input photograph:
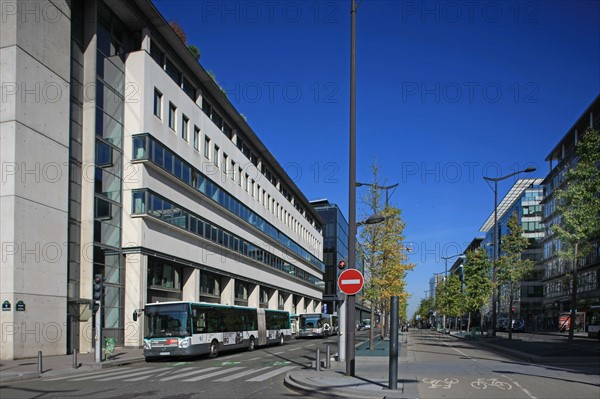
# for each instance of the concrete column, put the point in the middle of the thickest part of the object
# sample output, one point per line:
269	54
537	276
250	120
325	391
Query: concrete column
253	295
273	299
300	306
227	291
136	294
191	284
288	302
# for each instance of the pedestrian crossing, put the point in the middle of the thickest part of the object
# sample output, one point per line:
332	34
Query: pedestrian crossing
180	374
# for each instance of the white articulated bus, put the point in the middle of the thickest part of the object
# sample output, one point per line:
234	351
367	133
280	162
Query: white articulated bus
317	325
196	328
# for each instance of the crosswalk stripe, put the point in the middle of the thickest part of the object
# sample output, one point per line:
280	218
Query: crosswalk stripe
95	375
295	349
271	374
87	374
242	374
155	375
181	375
278	353
128	375
203	377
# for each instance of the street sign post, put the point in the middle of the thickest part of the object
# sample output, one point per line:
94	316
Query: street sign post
351	281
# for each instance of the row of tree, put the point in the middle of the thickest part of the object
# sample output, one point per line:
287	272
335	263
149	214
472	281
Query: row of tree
578	230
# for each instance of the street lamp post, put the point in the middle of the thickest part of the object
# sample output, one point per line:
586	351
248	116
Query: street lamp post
495	256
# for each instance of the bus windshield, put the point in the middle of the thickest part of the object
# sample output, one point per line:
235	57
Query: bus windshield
311	321
169	320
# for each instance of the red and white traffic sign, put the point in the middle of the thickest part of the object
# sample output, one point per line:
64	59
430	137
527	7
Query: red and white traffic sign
351	281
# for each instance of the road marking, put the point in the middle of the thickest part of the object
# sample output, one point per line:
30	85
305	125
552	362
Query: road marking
203	377
255	358
461	352
242	374
180	375
157	375
271	374
229	363
444	384
90	376
295	349
87	374
278	353
519	386
127	375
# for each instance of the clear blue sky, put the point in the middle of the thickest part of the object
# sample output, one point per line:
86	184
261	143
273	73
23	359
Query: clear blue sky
447	92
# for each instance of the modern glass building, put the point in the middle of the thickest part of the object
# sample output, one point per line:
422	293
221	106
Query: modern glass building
335	249
556	271
525	199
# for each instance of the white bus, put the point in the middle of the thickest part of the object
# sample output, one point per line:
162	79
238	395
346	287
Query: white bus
317	325
197	328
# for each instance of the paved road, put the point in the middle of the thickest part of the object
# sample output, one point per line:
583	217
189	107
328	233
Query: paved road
445	367
257	374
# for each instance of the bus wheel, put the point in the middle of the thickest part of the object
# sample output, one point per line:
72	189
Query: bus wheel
252	345
281	339
214	349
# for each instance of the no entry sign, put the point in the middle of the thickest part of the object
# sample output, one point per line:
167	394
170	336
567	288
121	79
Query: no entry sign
351	281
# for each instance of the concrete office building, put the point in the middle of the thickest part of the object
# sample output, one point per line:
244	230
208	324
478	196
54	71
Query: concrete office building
122	157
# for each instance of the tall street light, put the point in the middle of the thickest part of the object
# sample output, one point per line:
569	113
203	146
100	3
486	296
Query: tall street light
446	258
495	257
351	299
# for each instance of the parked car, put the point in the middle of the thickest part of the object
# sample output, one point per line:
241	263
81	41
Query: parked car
518	325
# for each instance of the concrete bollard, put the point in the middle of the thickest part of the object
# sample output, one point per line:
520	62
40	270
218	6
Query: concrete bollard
39	363
75	365
318	362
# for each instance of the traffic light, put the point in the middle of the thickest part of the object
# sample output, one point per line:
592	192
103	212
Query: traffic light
342	264
98	287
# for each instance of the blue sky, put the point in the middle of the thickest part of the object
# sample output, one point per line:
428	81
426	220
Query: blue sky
447	92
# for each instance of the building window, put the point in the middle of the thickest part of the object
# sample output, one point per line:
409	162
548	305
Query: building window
209	284
206	147
216	156
164	275
158	104
172	112
196	138
185	122
232	171
241	290
224	163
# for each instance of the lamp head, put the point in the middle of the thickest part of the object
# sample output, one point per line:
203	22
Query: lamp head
530	169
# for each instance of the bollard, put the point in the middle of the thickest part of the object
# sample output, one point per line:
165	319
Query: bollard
327	365
75	365
39	364
318	362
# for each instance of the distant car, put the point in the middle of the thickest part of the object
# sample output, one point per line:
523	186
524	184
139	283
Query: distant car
364	326
518	325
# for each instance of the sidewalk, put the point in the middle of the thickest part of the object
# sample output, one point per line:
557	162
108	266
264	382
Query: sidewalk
372	372
25	369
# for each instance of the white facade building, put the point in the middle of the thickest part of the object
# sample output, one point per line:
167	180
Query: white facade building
160	184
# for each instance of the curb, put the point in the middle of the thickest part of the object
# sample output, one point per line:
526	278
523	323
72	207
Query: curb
305	387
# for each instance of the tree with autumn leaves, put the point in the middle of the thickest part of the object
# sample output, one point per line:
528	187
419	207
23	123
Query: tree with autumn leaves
385	259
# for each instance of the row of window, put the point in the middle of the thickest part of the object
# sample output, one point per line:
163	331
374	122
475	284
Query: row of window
146	147
229	167
147	202
171	70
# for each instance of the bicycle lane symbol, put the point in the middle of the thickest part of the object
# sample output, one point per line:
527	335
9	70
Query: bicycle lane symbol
443	384
484	383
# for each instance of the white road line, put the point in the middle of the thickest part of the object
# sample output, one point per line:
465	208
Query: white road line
295	349
278	353
462	353
87	374
159	374
95	375
203	377
127	375
271	374
242	374
255	358
520	387
180	375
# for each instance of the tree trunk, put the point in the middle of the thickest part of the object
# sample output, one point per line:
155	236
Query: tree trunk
573	295
510	312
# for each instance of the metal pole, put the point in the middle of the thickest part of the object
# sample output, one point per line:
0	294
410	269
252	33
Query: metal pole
327	361
495	289
318	361
393	372
98	346
40	369
351	299
75	365
342	332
